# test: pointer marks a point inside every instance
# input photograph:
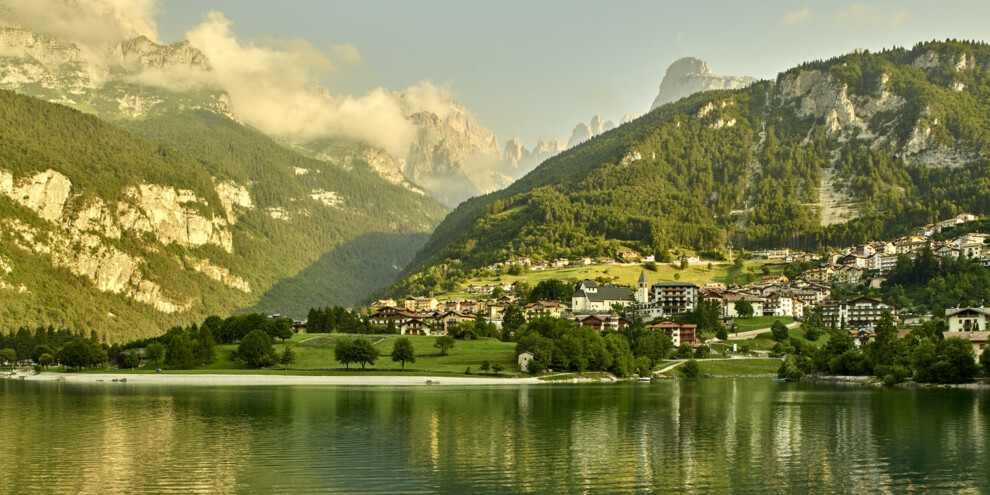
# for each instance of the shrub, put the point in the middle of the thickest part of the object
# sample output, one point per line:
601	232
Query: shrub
691	369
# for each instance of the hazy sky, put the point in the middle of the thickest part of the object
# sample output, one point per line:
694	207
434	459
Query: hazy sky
536	68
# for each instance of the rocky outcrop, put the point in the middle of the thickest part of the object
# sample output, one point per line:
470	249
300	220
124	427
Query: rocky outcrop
583	132
328	198
218	273
161	211
691	75
78	236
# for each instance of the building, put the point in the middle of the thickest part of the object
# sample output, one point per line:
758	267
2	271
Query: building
854	314
543	309
675	298
523	360
967	319
729	304
604	321
421	303
678	333
592	298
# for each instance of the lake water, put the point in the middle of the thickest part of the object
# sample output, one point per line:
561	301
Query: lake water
678	436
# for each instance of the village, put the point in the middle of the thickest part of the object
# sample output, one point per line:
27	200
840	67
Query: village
598	305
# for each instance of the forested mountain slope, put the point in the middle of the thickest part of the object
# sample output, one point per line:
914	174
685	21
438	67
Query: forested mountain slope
854	148
104	230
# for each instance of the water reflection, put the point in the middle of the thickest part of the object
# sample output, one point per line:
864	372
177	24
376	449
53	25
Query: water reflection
707	435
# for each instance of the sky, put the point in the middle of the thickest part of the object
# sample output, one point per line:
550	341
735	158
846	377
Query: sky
532	69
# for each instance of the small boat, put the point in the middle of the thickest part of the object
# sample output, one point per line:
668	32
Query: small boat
782	380
644	379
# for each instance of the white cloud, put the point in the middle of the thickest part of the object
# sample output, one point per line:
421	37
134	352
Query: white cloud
870	15
797	17
87	21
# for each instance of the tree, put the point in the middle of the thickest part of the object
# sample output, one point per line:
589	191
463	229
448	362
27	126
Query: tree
779	330
743	308
288	356
256	349
38	351
81	353
691	369
444	343
402	351
278	328
364	352
511	321
738	262
343	352
486	365
497	368
205	345
677	276
155	352
684	263
180	352
46	360
985	361
8	356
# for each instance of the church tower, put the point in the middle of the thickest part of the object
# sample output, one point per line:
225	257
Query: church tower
643	291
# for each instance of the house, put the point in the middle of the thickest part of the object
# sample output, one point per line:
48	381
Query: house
678	333
947	251
648	258
592	298
543	309
523	360
862	336
854	314
967	319
629	255
775	279
382	303
729	306
603	321
421	303
978	339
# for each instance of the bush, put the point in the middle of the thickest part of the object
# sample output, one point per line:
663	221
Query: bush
780	333
691	369
650	265
812	333
893	374
497	368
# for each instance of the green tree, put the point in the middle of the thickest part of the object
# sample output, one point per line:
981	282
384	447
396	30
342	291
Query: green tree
511	321
46	360
155	352
364	352
205	346
779	330
344	352
8	356
256	349
486	365
39	350
743	308
288	356
497	368
444	343
403	352
691	369
179	353
131	359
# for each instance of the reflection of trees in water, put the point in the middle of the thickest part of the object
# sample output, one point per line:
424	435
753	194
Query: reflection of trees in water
676	436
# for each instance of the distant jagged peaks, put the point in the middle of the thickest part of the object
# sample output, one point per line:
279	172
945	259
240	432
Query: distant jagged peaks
691	75
583	132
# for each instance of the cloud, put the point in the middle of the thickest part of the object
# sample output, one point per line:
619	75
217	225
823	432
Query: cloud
797	17
870	15
87	22
270	83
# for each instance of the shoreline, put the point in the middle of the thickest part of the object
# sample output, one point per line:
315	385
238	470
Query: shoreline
269	380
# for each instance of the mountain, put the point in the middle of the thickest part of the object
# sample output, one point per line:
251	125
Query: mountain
690	75
858	147
108	231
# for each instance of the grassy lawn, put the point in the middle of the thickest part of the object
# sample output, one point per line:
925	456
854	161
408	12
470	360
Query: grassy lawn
629	275
758	322
765	342
314	356
735	367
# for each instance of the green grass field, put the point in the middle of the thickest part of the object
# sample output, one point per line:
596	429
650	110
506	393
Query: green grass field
758	322
629	274
756	366
318	359
765	342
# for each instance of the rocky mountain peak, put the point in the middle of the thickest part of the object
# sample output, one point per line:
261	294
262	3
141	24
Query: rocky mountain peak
691	75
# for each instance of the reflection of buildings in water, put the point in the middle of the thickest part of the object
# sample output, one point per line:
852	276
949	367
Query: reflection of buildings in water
434	430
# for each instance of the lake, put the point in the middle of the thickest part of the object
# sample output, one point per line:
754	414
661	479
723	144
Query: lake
676	436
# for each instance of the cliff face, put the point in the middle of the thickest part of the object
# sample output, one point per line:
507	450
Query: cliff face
691	75
81	239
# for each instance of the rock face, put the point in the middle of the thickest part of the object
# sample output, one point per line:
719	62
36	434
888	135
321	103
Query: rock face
80	240
113	84
691	75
